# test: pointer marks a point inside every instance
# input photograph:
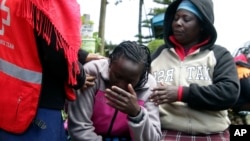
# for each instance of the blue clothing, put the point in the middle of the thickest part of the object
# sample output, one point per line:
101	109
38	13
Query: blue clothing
54	130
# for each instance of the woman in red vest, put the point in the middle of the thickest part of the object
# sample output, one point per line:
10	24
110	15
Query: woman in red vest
39	50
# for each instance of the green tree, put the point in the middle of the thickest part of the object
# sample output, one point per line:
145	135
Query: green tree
154	44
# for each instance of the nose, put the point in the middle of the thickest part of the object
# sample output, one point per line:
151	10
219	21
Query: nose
178	22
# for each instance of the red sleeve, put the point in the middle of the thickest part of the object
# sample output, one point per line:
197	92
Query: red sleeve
180	94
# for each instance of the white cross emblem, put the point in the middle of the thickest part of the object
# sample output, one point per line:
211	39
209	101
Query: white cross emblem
5	20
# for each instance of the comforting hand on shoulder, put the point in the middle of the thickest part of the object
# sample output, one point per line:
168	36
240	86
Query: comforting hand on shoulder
89	82
94	56
164	94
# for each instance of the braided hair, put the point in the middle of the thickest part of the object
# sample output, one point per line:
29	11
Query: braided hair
136	53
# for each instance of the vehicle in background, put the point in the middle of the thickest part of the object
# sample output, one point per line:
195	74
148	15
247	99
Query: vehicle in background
241	50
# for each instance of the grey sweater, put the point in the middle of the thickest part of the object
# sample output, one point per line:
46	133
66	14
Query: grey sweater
90	117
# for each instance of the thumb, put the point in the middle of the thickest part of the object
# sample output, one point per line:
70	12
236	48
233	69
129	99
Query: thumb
131	90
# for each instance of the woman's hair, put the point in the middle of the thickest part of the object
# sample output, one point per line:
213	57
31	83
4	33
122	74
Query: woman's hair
136	53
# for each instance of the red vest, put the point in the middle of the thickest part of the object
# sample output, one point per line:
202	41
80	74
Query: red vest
20	70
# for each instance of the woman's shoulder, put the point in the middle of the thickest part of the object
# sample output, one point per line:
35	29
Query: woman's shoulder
218	49
95	66
157	52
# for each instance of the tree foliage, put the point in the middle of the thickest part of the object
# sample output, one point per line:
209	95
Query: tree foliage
154	44
167	2
157	11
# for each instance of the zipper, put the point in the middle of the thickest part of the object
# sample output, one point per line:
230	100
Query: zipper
18	104
189	121
112	123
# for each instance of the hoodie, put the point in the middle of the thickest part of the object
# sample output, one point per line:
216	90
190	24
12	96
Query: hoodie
90	118
206	77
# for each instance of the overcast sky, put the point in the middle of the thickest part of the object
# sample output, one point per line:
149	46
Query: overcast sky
232	20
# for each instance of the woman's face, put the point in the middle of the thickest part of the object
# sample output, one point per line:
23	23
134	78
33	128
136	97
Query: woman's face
186	28
124	71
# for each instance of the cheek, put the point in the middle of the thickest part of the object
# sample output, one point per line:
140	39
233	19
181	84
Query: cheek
135	82
122	84
113	80
192	32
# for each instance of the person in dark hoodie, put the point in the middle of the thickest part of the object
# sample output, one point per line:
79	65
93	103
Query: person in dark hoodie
240	112
197	79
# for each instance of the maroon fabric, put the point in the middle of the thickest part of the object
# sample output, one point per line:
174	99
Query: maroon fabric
170	135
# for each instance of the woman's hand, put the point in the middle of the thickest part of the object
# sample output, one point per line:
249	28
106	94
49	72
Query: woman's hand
89	82
93	56
164	94
122	100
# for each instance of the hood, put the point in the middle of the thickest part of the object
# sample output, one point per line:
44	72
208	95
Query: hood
207	11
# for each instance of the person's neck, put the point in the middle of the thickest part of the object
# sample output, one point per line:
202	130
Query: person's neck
190	45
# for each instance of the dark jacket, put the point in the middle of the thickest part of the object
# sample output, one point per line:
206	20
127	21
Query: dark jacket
55	74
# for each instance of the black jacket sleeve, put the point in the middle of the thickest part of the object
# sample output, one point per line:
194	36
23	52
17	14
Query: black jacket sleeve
54	62
82	55
224	90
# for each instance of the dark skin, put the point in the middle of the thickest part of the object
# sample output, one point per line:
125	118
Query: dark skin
90	80
124	75
186	28
187	31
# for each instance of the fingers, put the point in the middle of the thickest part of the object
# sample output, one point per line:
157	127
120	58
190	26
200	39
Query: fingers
131	90
114	98
90	81
161	101
93	56
155	98
89	77
158	97
159	88
157	93
120	91
122	100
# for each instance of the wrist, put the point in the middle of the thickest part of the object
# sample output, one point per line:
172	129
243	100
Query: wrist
136	113
137	118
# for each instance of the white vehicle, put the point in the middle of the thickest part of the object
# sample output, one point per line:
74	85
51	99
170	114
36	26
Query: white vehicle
243	49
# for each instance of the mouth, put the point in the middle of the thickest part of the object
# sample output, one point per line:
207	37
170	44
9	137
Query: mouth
177	33
178	30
